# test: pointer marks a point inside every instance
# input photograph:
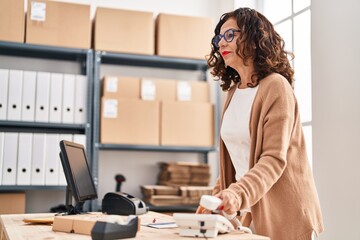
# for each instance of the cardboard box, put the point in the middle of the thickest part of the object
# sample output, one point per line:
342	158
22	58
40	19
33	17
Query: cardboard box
187	124
121	87
158	89
125	31
58	24
130	121
183	36
194	91
12	203
12	20
83	223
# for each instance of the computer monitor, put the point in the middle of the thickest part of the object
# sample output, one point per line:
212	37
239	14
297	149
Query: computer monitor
80	184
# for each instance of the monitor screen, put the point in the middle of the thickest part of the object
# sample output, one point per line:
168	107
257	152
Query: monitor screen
77	171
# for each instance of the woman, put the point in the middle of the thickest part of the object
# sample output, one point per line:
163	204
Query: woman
263	161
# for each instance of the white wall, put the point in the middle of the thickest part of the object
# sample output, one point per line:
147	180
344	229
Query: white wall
336	114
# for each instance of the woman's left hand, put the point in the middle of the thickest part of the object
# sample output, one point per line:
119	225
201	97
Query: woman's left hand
230	201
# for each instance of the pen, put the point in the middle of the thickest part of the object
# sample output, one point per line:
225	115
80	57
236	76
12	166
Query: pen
163	223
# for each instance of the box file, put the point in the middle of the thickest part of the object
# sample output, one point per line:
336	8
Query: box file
10	158
1	155
80	99
80	139
28	97
62	179
4	87
56	87
68	98
15	95
42	97
24	159
52	159
38	159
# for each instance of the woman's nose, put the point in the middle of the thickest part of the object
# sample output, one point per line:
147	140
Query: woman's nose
222	42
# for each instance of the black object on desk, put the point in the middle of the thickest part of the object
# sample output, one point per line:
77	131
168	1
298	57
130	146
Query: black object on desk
123	204
107	230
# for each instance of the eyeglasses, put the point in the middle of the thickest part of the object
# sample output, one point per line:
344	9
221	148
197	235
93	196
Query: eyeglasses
228	37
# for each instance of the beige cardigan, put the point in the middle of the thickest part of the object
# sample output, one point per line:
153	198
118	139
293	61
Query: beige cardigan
279	186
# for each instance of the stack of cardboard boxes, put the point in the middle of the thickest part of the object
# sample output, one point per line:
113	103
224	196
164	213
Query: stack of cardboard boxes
184	174
151	111
174	196
63	24
180	183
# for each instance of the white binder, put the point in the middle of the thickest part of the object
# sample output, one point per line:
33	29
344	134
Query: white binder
62	179
56	87
52	159
28	96
4	88
80	99
42	97
15	95
10	158
24	159
80	139
1	154
38	159
68	98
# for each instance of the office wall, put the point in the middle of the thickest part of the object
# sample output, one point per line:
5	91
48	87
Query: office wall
336	114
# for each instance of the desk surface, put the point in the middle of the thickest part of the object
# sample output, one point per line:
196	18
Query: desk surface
12	227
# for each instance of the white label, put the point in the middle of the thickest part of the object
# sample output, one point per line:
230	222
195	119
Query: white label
38	11
183	91
111	84
148	90
110	108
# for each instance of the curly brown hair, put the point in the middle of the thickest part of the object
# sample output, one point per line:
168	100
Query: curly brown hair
258	42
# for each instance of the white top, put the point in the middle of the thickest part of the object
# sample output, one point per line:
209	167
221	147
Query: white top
235	129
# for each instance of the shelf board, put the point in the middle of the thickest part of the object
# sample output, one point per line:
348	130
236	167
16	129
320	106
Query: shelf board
42	51
41	127
152	61
14	188
154	148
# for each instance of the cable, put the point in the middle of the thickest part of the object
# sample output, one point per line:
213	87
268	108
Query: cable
203	231
245	229
233	218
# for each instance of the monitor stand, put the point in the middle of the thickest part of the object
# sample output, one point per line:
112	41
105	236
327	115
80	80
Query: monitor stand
72	210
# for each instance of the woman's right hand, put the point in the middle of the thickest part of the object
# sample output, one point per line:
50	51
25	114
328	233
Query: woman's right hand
202	210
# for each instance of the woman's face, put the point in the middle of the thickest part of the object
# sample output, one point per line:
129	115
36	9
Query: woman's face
228	49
